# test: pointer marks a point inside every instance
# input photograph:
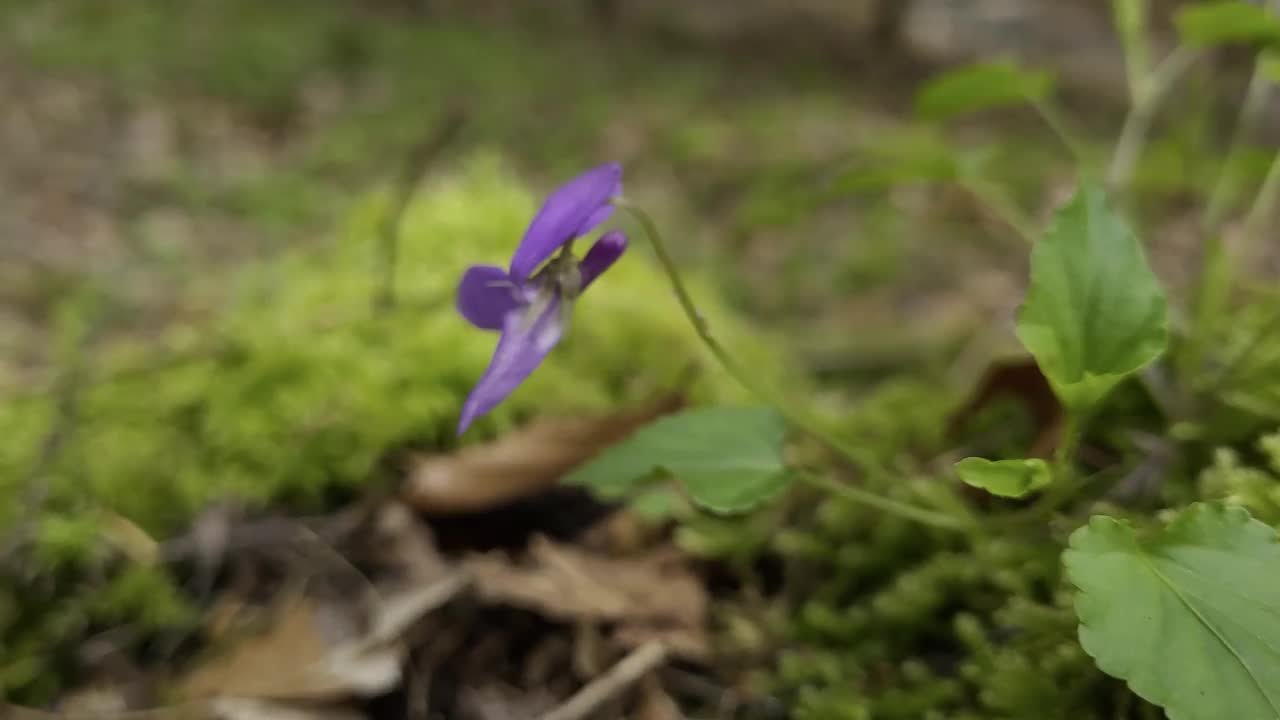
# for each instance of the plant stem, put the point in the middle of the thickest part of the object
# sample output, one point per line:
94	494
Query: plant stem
998	205
1238	361
1217	275
1065	483
1264	205
869	465
1255	99
1067	447
1131	20
415	168
1054	120
889	505
1146	100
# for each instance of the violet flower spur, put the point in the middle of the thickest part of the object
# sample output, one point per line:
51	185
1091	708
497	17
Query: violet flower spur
529	303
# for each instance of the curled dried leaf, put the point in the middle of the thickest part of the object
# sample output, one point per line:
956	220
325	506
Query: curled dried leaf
569	584
519	464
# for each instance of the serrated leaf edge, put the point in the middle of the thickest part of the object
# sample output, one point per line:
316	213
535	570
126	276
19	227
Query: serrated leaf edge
1232	514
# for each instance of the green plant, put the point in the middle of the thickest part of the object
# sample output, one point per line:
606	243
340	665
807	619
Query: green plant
1186	615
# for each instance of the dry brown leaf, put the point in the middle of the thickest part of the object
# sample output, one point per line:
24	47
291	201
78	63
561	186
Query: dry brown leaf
495	701
397	544
1021	379
292	659
295	660
645	596
521	463
243	709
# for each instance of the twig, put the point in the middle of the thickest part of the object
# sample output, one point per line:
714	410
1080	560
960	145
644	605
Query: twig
620	677
415	168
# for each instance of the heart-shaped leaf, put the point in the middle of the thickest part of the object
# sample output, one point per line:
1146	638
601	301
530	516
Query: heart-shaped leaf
729	459
1006	478
1095	312
981	86
1222	23
1190	618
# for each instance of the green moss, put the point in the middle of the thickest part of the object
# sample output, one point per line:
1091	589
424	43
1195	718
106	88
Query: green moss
1256	486
300	386
891	620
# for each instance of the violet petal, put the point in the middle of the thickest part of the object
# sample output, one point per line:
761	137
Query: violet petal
524	343
485	296
604	253
577	208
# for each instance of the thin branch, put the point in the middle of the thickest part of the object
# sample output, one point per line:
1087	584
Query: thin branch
617	680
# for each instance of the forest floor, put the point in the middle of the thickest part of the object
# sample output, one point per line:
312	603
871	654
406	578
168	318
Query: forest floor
154	151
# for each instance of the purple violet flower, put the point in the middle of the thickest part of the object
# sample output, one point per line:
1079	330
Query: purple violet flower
529	303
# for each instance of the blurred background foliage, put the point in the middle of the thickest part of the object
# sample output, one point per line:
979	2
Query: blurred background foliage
194	198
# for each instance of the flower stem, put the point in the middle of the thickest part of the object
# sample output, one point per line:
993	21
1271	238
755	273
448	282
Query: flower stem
995	202
1053	119
869	465
1255	100
889	505
1147	96
1264	206
1067	446
1065	483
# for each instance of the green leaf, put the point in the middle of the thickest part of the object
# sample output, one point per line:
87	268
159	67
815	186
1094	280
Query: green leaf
1006	478
1222	23
1095	312
1190	618
730	459
982	86
920	154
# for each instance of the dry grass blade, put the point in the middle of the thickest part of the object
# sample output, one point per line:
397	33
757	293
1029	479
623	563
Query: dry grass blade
619	678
